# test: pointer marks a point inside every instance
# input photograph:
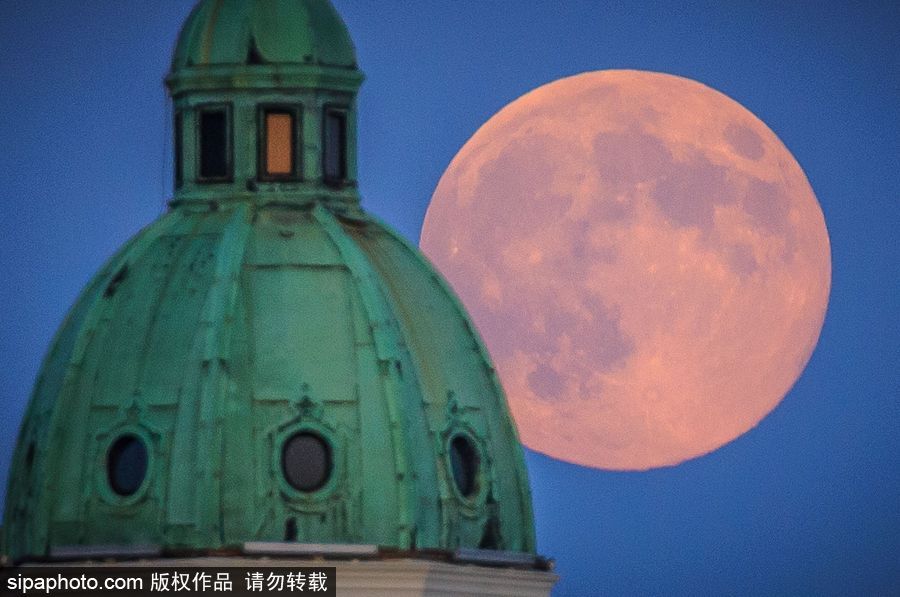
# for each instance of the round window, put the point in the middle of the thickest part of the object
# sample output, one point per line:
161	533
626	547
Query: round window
464	462
126	465
306	461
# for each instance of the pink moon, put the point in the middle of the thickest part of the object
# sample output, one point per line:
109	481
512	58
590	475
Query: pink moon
645	260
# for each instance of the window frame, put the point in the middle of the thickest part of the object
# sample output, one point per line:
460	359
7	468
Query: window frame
262	131
473	502
279	437
106	441
199	110
344	156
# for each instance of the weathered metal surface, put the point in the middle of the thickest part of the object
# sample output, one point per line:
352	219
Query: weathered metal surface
250	313
230	32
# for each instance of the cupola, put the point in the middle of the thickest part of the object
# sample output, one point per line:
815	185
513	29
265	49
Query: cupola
264	95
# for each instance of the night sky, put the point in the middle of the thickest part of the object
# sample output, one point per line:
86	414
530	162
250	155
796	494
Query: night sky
808	502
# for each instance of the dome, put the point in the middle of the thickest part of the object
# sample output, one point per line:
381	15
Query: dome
266	363
216	347
231	32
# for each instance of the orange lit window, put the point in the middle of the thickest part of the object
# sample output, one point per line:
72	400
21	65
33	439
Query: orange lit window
279	157
278	144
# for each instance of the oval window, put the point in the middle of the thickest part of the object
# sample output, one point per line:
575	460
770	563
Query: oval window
464	462
306	461
126	465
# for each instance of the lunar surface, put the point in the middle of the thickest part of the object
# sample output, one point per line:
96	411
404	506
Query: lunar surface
645	260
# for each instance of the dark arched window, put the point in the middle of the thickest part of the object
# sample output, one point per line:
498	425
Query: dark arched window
334	146
214	143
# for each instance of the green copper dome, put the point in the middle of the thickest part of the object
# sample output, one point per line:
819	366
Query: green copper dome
266	362
232	32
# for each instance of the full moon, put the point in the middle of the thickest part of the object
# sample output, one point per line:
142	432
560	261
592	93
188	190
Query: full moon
645	260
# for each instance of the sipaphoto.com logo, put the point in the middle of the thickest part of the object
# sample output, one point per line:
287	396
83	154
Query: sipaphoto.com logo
68	583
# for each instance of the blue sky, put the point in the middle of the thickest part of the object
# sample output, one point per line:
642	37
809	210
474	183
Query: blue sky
806	503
